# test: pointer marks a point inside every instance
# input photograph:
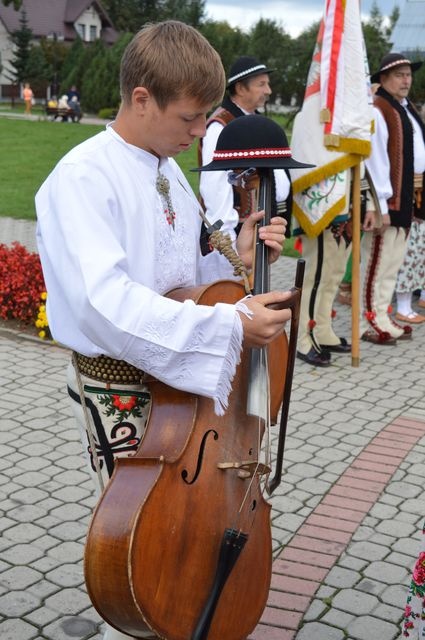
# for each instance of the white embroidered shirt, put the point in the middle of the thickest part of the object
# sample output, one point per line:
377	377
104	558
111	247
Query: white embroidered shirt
109	255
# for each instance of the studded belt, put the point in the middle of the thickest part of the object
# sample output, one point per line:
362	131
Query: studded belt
106	369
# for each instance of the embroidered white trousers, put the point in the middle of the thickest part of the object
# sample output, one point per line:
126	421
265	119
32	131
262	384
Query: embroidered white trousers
117	419
381	258
317	303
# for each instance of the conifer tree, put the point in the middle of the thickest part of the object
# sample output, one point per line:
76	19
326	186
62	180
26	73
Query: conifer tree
17	72
21	38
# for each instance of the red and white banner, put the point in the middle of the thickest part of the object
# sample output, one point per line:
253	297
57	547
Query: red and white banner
333	128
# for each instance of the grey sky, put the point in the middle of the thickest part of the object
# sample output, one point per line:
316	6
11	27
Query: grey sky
294	15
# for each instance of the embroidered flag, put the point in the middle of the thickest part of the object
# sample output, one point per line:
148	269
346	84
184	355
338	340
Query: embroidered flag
333	128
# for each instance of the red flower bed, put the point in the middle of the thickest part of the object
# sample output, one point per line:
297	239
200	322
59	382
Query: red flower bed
21	283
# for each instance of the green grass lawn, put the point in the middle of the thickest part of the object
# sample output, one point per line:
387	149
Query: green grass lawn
30	149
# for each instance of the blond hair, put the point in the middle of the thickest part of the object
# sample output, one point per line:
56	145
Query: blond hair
172	60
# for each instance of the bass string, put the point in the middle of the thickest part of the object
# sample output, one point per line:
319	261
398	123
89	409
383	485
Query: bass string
263	445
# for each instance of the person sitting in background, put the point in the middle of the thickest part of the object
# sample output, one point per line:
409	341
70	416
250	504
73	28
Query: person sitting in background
74	104
73	93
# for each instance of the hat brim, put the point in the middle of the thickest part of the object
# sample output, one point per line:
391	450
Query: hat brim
260	72
414	66
260	163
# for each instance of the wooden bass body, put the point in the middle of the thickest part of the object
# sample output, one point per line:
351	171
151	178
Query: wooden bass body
154	542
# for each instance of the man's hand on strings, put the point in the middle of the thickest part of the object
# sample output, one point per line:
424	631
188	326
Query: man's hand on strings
272	234
265	324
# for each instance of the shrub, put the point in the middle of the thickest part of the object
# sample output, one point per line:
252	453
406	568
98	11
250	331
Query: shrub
21	283
107	113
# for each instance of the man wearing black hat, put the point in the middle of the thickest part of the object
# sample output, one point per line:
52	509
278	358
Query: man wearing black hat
396	165
248	89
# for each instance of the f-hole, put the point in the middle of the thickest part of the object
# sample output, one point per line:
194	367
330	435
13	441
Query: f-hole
185	473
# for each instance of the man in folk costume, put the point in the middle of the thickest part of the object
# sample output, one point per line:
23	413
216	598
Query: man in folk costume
248	89
326	258
398	155
332	130
119	227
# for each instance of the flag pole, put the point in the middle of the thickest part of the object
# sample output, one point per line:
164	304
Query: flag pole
355	272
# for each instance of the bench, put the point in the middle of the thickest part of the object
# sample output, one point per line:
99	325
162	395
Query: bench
63	113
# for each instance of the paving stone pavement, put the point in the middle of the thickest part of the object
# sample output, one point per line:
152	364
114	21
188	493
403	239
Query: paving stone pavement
346	519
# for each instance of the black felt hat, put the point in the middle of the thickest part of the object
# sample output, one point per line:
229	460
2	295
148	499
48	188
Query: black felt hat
246	67
392	60
252	141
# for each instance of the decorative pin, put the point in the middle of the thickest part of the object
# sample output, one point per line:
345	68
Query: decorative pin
163	188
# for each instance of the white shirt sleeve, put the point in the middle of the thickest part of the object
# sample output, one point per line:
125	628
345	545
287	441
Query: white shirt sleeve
378	163
418	145
282	185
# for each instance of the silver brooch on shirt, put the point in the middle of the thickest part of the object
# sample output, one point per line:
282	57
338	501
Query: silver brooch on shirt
163	188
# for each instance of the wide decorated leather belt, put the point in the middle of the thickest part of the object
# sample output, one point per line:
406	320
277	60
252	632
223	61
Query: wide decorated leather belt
108	370
417	188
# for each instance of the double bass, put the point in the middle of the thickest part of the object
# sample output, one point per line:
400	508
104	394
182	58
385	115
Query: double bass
179	545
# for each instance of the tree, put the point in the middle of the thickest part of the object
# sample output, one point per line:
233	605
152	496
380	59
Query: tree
417	92
230	42
191	12
38	71
73	67
393	19
21	39
268	42
100	81
376	38
299	62
16	3
130	15
126	15
55	53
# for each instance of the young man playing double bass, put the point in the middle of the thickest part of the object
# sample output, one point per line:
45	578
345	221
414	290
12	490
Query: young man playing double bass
119	227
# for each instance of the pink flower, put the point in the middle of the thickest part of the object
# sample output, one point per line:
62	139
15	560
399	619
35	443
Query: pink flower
419	570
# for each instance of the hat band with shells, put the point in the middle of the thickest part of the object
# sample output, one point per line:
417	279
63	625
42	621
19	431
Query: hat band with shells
396	63
283	152
246	72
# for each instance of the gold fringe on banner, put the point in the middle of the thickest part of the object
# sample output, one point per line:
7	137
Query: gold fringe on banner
325	115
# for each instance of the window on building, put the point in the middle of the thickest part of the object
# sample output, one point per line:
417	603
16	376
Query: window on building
81	29
93	32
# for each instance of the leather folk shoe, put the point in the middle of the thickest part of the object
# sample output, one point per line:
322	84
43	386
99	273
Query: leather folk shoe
342	347
378	338
315	358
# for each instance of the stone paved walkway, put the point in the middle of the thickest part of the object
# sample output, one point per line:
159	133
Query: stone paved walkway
346	519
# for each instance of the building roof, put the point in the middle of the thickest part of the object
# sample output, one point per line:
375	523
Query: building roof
408	35
55	16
